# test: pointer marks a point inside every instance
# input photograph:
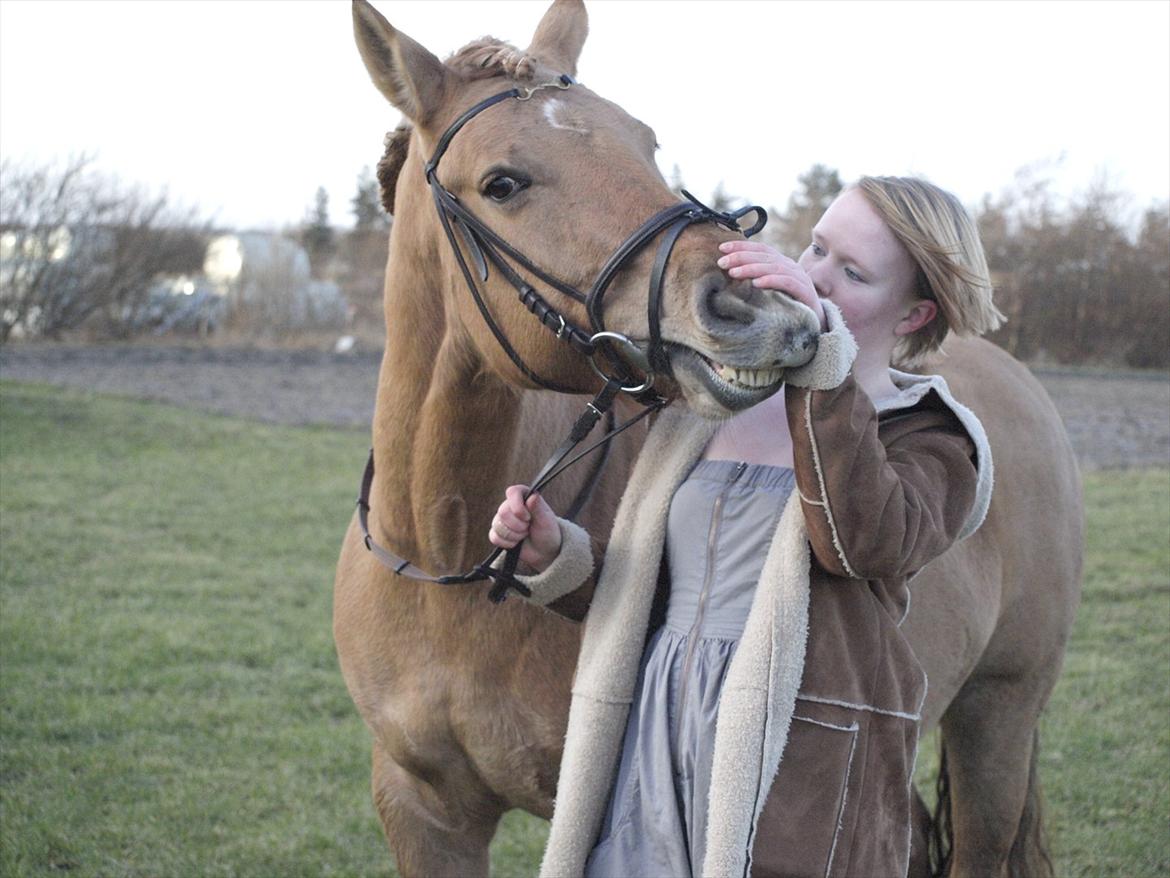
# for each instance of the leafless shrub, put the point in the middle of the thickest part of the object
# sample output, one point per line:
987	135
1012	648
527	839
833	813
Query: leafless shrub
81	248
361	273
269	289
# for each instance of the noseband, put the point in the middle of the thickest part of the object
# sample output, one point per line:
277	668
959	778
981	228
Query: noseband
485	246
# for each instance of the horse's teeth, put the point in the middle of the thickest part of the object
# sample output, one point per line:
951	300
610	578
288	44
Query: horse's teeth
748	377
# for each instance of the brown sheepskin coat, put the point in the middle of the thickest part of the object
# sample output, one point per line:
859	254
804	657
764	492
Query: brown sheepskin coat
818	719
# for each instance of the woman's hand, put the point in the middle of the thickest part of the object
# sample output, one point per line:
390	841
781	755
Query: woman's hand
771	270
534	522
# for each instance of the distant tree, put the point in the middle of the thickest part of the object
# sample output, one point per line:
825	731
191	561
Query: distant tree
791	229
317	235
363	252
368	213
676	180
80	248
1151	294
1076	284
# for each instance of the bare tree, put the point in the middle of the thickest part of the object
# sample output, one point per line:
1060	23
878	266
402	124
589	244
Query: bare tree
1077	283
38	208
1149	316
78	247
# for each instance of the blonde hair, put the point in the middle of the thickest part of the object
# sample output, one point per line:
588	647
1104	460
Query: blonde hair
942	239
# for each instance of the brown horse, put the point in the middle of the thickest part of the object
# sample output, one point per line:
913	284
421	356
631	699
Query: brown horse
467	700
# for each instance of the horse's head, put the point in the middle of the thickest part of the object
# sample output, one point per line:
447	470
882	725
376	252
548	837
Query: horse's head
563	178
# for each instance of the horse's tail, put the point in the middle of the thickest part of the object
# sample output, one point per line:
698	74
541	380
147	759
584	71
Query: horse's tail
1029	856
941	838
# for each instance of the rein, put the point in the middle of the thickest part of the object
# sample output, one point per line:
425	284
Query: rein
485	246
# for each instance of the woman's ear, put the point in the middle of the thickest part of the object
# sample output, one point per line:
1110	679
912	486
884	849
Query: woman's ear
922	312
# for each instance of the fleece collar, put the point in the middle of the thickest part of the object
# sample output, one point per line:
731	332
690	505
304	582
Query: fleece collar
911	390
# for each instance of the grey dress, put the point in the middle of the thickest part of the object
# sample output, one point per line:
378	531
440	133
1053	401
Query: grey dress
722	519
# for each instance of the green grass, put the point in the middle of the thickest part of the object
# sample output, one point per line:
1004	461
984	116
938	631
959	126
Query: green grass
170	703
1105	757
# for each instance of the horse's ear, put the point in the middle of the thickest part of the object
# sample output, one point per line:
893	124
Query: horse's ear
410	77
560	36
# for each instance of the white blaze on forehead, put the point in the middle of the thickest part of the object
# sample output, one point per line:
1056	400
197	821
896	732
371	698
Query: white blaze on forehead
552	108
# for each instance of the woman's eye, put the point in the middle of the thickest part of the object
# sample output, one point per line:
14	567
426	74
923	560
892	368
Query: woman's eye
815	249
854	276
503	187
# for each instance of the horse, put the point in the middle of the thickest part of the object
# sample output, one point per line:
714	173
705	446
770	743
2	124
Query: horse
466	699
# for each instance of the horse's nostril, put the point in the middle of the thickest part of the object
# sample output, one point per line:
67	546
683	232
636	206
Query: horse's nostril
722	301
711	296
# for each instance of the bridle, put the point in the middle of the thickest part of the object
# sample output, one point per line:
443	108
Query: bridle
485	246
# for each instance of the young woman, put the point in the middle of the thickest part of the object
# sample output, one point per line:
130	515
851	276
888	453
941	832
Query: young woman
745	702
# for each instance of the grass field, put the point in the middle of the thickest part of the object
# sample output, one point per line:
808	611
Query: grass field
170	703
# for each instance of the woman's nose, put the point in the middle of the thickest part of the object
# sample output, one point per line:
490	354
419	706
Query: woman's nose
819	275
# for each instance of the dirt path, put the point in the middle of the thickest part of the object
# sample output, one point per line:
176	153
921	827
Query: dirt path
1114	420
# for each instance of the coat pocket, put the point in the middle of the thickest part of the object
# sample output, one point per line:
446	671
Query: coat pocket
801	823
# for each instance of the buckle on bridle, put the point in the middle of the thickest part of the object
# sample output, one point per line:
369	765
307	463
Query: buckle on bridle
562	82
729	219
632	353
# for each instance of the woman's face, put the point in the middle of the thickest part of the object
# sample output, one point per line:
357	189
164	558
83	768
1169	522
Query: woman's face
855	261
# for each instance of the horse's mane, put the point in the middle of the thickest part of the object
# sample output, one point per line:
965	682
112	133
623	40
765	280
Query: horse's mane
480	59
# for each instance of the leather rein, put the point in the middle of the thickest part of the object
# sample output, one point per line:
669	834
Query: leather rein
485	247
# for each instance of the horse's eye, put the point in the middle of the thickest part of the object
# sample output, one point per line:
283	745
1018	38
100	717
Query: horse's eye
503	187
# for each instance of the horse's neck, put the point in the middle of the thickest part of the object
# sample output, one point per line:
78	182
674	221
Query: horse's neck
443	435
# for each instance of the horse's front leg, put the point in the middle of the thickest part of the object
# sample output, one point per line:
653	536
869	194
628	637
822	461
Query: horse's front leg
433	835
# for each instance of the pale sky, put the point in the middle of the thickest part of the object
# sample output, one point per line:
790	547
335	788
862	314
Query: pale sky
244	107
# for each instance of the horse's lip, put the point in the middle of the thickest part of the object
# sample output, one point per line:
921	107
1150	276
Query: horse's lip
734	397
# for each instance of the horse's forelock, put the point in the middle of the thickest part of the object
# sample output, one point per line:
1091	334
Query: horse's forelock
488	57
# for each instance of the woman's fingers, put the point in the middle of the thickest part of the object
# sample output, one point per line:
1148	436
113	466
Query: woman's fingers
744	244
759	269
514	500
771	276
768	269
514	523
530	520
500	534
512	520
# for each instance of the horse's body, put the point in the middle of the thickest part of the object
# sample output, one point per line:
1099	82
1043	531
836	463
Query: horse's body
467	701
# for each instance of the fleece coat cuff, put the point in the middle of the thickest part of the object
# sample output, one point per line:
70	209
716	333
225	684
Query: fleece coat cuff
568	570
836	351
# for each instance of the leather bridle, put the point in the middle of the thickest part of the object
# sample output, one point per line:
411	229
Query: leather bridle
485	246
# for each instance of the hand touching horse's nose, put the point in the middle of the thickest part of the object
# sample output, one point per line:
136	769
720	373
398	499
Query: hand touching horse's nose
769	269
533	522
